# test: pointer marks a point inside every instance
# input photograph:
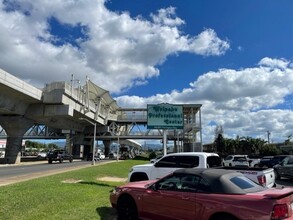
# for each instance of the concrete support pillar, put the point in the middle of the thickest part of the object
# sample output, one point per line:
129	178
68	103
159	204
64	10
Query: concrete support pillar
77	151
87	149
81	146
68	144
107	147
15	127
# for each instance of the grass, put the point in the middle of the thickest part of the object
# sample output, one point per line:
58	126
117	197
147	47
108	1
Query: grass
72	195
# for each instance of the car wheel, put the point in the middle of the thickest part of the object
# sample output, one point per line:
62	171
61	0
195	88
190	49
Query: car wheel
224	217
127	209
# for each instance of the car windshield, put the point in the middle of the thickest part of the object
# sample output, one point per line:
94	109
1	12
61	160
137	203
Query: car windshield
239	158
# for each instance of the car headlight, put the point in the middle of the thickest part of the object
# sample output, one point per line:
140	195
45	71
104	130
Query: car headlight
116	190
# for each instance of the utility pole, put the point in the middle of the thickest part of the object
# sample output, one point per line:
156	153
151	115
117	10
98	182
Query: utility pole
269	133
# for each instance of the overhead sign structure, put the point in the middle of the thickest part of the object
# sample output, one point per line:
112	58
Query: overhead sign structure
165	116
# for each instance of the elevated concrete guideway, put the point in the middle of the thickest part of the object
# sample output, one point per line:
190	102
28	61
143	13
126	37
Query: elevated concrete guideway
59	106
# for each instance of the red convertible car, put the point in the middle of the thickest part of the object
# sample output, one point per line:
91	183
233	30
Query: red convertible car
202	194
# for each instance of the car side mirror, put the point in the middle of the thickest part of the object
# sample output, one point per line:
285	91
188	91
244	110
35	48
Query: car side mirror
154	187
156	164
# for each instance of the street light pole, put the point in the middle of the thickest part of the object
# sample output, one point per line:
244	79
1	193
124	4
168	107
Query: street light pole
95	131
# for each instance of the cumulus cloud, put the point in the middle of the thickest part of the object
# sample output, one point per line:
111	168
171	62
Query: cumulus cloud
245	102
117	52
113	49
167	17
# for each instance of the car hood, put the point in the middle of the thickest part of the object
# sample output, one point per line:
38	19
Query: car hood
139	184
144	165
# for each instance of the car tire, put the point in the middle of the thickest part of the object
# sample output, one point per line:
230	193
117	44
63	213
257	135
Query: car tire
126	208
224	217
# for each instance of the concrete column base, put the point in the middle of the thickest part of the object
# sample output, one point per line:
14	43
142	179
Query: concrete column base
15	127
107	147
13	150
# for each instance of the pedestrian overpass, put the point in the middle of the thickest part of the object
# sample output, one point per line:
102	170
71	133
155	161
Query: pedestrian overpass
64	110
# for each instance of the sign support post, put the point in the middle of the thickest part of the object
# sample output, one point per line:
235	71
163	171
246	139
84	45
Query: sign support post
165	116
165	141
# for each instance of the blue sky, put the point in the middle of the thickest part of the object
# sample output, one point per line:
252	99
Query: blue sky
235	57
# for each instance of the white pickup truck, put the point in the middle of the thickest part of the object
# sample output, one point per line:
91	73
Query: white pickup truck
174	161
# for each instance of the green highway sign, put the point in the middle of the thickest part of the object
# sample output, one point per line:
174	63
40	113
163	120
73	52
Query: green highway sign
165	116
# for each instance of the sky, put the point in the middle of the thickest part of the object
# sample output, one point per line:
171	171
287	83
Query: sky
235	57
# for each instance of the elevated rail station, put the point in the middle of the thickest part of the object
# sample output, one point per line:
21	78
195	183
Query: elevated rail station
62	110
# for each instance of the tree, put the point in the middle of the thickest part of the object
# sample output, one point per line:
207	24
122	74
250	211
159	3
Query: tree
230	146
219	140
269	150
239	145
52	146
220	144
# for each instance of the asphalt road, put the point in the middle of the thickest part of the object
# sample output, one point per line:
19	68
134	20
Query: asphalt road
30	170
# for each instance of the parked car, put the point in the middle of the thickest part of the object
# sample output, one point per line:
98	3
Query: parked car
271	161
285	168
253	161
265	161
235	160
101	155
171	162
204	194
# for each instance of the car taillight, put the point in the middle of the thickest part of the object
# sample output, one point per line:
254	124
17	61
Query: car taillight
280	211
262	180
